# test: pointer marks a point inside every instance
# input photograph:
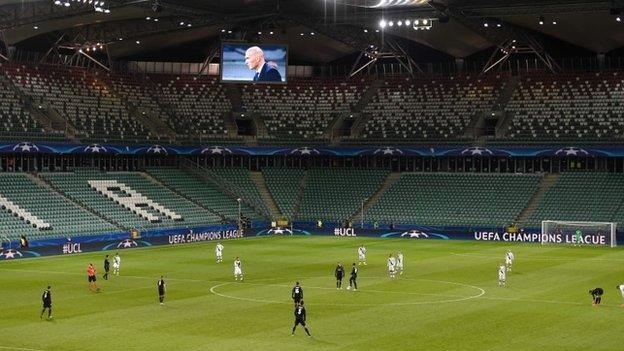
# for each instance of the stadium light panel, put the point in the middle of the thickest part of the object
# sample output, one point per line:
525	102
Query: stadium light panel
400	23
383	23
390	24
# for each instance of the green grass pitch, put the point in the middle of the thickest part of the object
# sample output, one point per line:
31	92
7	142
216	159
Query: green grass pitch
448	298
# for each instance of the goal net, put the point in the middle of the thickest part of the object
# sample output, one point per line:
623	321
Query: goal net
579	233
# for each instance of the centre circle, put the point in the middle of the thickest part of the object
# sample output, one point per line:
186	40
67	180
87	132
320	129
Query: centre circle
478	292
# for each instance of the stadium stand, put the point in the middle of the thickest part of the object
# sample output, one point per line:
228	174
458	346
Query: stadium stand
406	109
455	199
64	217
575	106
199	103
302	109
83	99
15	120
76	186
581	196
336	194
133	90
202	192
284	184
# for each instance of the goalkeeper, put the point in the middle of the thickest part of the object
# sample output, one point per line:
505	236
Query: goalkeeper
578	235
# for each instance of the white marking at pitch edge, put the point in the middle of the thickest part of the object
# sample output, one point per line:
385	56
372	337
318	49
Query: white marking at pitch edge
532	258
18	348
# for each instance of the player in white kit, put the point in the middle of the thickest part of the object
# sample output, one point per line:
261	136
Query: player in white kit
361	255
502	275
391	266
219	252
116	264
621	289
238	269
399	262
509	257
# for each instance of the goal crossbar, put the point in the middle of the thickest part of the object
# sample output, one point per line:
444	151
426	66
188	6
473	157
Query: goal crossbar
602	229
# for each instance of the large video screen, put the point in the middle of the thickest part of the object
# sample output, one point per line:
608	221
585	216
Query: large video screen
257	63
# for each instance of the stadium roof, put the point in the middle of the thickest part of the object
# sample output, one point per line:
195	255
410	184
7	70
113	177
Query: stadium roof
187	29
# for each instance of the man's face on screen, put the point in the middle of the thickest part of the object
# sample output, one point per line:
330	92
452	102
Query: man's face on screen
252	59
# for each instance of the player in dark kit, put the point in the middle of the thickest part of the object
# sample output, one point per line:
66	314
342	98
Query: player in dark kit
161	290
339	273
106	267
353	279
297	294
300	318
596	295
47	302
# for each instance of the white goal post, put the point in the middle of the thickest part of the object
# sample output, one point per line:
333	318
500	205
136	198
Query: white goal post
579	233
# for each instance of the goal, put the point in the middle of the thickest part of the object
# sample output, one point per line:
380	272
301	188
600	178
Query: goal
579	233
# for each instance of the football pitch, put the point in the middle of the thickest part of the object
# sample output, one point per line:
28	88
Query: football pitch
447	299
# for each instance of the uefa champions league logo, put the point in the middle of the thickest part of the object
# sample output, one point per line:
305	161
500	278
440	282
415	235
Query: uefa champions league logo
11	254
216	150
571	151
26	147
157	149
477	151
95	149
127	243
414	233
305	151
279	231
388	151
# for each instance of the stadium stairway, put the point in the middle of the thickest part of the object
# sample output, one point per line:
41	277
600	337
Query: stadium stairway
51	122
261	128
500	105
390	180
367	97
152	89
151	178
267	198
48	184
150	120
302	186
229	122
545	183
235	95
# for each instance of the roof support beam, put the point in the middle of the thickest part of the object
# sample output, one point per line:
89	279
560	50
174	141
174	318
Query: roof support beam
212	53
509	39
4	48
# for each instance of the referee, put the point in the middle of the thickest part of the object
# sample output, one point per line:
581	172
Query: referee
46	298
300	318
297	293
